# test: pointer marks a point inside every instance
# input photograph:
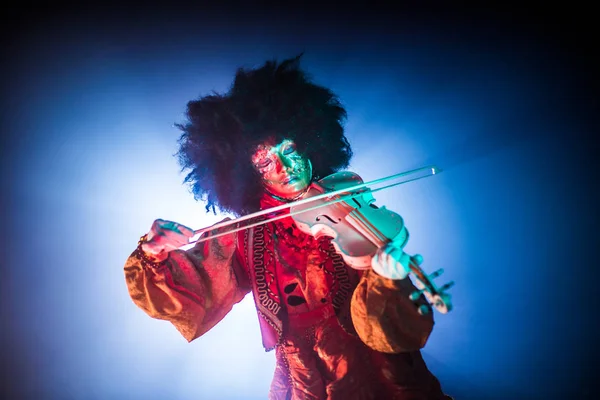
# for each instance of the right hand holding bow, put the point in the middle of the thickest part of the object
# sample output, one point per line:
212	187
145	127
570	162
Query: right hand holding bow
165	236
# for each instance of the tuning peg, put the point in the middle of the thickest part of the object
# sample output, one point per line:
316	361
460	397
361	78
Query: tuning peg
417	258
446	286
424	309
442	302
436	273
416	294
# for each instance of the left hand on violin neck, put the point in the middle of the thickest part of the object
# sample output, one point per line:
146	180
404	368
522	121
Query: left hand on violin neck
392	262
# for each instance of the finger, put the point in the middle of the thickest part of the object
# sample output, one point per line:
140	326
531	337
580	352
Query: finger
158	223
400	271
163	243
176	227
161	239
168	225
184	230
385	260
155	228
175	238
397	268
169	246
152	248
396	253
405	261
375	263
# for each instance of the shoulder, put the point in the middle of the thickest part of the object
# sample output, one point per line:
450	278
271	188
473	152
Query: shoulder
341	180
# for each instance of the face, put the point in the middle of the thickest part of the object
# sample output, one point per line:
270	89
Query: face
284	171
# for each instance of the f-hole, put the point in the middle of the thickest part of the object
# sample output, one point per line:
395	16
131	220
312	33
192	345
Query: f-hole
357	203
329	218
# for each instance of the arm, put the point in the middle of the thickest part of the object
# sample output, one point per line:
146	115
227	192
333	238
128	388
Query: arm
192	289
383	315
385	318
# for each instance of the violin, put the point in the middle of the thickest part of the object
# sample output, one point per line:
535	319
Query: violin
358	228
346	212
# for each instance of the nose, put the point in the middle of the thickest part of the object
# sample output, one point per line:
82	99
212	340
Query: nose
283	163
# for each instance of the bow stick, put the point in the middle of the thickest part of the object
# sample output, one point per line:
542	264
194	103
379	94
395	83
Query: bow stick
403	177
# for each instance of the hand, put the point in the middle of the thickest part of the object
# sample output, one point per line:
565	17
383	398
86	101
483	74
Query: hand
392	262
165	236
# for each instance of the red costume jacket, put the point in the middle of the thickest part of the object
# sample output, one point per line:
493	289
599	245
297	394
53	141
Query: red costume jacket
338	333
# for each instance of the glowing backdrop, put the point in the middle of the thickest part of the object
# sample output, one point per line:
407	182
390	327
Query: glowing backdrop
89	165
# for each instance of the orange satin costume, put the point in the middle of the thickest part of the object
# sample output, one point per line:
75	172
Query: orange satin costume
338	333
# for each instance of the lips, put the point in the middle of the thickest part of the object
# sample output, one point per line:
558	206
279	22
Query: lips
289	180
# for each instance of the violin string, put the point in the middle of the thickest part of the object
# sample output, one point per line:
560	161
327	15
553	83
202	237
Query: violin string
429	170
284	215
443	305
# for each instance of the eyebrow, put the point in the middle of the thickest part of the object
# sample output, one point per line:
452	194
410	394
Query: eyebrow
261	148
260	155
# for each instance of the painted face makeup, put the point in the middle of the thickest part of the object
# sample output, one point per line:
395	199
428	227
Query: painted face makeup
285	173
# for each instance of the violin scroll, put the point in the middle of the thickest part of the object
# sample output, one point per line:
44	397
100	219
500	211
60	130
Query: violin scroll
358	229
436	297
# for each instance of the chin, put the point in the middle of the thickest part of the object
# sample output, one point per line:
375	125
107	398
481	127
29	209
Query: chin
289	191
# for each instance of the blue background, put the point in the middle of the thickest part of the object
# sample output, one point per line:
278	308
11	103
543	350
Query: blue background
500	103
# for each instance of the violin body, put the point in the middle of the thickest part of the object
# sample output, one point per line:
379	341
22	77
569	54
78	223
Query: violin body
347	222
342	207
358	229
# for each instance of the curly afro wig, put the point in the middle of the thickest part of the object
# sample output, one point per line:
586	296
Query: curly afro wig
275	101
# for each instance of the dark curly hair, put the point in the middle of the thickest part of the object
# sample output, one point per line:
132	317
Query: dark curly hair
275	101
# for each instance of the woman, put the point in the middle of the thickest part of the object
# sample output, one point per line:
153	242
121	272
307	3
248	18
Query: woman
338	332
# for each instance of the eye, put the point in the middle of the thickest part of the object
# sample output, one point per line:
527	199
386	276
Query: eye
289	148
264	163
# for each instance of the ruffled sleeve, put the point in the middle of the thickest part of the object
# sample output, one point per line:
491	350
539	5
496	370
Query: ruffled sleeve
385	318
192	289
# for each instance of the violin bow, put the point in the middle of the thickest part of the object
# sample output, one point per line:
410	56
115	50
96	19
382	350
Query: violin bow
401	178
